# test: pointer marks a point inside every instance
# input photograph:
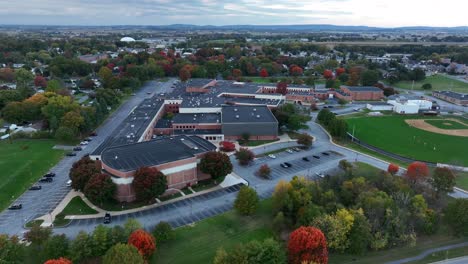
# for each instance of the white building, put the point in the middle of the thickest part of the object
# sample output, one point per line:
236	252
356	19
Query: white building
379	106
409	105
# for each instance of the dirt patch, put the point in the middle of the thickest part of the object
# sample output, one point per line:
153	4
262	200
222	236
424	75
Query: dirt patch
421	124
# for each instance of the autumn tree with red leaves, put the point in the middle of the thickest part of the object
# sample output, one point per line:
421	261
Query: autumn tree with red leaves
81	172
417	172
144	242
58	261
282	88
184	74
227	146
149	183
236	73
264	171
100	188
244	156
263	73
327	74
216	164
295	70
393	168
307	244
40	81
340	71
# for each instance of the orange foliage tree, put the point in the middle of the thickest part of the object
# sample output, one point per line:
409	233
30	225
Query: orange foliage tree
327	74
58	261
143	241
307	244
340	71
393	168
417	171
263	73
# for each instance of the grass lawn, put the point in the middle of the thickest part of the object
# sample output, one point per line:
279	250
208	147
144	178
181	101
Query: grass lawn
76	206
198	244
391	133
22	163
438	82
374	154
259	79
446	124
462	180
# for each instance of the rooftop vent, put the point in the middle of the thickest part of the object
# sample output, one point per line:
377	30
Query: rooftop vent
235	109
116	157
132	126
237	116
258	116
255	109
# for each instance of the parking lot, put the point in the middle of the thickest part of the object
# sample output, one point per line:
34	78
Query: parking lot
186	210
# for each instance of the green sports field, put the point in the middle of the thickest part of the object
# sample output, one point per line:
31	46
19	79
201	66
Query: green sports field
447	124
22	163
438	82
392	134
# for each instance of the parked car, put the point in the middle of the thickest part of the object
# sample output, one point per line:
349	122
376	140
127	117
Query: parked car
319	174
88	139
84	143
305	159
69	183
93	134
16	206
49	175
70	154
46	179
315	156
35	187
330	106
272	156
77	148
326	153
296	149
288	164
107	218
289	151
284	165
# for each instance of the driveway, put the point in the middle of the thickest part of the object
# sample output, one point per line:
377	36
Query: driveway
41	202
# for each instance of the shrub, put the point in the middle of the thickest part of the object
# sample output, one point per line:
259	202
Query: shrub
246	202
163	232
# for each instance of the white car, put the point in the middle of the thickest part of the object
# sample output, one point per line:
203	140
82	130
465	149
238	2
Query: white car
319	174
84	143
289	151
272	156
69	183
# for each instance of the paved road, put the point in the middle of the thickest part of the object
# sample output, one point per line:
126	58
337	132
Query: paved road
433	250
41	202
460	260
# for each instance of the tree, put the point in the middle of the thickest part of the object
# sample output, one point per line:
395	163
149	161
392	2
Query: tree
360	234
227	146
305	140
417	75
149	183
336	228
236	73
72	120
427	86
100	188
163	232
295	70
40	81
393	169
143	241
264	171
13	112
184	74
23	79
417	172
100	240
340	71
11	251
327	74
247	200
38	235
456	217
254	252
53	86
81	247
244	156
369	77
81	172
282	88
106	75
130	226
216	164
55	247
307	244
58	261
443	180
123	254
263	73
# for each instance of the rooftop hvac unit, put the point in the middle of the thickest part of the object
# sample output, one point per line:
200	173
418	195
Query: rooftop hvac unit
132	126
255	109
237	116
235	109
258	116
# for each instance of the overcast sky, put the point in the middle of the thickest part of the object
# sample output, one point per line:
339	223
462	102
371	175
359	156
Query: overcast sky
382	13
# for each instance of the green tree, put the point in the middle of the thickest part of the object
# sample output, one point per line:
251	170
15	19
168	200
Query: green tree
53	86
23	80
123	254
369	78
216	164
336	228
305	140
13	112
55	247
163	232
443	180
427	86
100	188
247	201
65	134
100	240
360	235
254	252
37	235
11	251
130	226
106	75
81	247
244	156
456	216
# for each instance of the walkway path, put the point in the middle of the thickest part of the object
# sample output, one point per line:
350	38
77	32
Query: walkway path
428	252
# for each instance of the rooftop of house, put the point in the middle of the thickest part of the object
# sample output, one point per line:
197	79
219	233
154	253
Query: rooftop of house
155	152
247	114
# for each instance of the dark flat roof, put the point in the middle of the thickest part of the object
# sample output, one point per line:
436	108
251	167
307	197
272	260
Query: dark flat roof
459	96
202	118
247	114
155	152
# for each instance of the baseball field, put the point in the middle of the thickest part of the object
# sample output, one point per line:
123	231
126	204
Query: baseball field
411	136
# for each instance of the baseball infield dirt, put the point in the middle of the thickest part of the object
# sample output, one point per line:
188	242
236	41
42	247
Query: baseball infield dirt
421	124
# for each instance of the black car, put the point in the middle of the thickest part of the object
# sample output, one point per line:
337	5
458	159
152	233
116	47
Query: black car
93	134
70	154
330	106
107	218
284	165
88	139
15	206
77	148
46	179
326	154
288	164
49	175
35	187
315	156
305	159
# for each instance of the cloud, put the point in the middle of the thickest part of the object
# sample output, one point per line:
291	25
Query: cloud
160	12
